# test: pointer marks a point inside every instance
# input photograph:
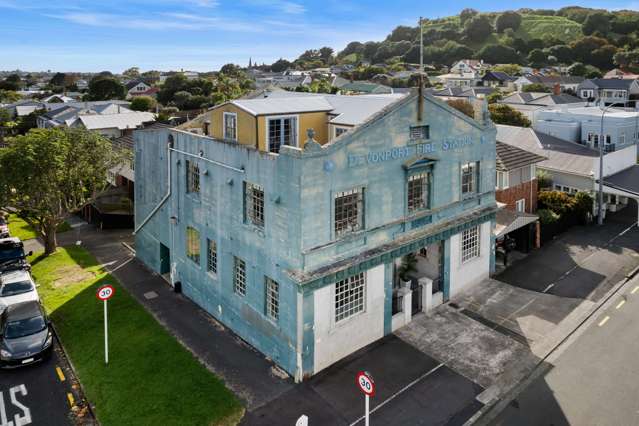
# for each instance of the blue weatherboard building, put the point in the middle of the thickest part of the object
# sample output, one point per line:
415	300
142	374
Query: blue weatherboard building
327	243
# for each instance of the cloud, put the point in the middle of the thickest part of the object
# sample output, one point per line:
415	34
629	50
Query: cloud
283	6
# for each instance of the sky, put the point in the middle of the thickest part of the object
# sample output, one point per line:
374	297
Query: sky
203	35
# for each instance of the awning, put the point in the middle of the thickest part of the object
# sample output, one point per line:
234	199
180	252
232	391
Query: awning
510	220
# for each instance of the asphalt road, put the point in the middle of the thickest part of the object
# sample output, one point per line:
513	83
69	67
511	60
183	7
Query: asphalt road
595	381
36	395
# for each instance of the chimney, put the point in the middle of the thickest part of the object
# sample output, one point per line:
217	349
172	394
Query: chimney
556	89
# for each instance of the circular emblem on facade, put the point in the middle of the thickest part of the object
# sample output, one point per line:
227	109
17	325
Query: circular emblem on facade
329	166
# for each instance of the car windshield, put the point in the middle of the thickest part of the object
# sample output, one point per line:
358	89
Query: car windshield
11	253
24	327
11	289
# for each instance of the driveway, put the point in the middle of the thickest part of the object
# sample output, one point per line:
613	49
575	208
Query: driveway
41	394
582	263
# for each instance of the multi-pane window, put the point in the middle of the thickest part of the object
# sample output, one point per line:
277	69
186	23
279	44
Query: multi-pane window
211	258
281	131
192	177
419	132
230	126
469	178
418	191
272	302
470	244
520	205
339	131
502	180
254	204
239	276
193	244
349	211
350	296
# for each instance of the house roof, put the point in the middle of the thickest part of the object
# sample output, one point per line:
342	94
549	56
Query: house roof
561	99
612	83
131	84
366	87
509	220
510	157
124	142
283	105
498	75
130	120
617	73
625	180
562	155
552	79
354	110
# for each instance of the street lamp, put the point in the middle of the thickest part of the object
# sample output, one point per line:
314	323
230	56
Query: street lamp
601	156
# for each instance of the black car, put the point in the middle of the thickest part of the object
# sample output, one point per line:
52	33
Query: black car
26	336
12	255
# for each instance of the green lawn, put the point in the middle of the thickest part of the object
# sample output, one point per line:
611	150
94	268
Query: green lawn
151	378
21	229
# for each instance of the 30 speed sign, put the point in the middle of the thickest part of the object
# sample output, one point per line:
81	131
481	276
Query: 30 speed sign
105	292
366	383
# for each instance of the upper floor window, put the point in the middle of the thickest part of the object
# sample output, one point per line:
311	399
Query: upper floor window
419	132
230	126
339	131
193	244
192	177
520	205
418	191
469	172
350	296
272	302
502	180
622	138
585	94
239	276
211	260
470	244
281	131
349	211
254	204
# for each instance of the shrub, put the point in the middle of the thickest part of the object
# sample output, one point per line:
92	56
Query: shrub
463	106
547	217
557	201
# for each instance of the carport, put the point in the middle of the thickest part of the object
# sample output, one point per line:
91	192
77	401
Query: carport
624	184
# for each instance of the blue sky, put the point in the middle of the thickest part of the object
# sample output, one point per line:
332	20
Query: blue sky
76	35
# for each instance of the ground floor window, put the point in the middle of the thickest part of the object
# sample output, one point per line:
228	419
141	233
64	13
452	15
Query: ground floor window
470	244
239	276
272	299
349	296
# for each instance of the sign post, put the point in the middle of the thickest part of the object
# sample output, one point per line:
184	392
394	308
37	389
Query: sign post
104	294
367	385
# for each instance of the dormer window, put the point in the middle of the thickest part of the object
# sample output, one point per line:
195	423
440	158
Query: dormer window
281	131
419	132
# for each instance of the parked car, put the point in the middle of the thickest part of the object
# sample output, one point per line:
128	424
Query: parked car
17	287
12	254
26	336
4	228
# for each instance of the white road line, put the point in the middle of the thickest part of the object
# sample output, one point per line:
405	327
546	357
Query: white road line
604	321
399	392
620	304
634	290
548	288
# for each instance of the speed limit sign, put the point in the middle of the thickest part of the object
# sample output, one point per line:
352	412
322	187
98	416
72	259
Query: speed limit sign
366	383
105	292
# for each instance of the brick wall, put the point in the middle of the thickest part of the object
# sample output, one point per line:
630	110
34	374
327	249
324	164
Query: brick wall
526	190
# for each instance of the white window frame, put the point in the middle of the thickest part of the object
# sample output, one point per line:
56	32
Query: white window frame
250	199
622	138
520	205
502	177
360	193
470	244
224	135
474	189
271	299
425	194
281	117
336	128
239	279
350	308
211	257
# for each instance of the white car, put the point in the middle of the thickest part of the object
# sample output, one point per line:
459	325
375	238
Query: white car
17	287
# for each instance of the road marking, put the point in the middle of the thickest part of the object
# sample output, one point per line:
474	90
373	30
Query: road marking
634	290
60	374
604	321
399	392
71	399
620	304
551	286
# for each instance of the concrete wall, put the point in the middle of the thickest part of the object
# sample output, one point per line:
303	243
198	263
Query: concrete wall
471	272
334	341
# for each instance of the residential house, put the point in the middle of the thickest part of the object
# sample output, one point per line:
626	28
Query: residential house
137	88
617	73
610	91
530	103
82	84
458	79
294	242
466	93
566	83
365	87
571	167
476	66
498	79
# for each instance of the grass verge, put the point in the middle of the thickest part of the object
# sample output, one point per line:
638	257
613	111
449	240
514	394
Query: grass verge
21	229
151	378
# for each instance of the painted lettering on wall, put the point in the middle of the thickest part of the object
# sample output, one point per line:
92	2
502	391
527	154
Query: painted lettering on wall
374	157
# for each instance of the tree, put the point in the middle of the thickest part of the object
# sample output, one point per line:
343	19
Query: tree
404	33
562	52
49	174
57	79
230	69
103	88
280	65
462	106
592	72
9	96
624	22
583	47
510	69
326	53
623	58
496	53
173	84
577	69
478	28
537	58
467	14
596	22
535	87
603	57
504	114
143	103
506	20
370	47
353	47
133	72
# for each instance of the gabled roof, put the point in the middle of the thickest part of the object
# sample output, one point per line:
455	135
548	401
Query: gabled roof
124	142
626	180
498	75
131	84
613	83
130	120
366	87
510	157
283	105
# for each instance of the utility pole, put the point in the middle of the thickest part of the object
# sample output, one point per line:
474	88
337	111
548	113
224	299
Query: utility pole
421	52
602	141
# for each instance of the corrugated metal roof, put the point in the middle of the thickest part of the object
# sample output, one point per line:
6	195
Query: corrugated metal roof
354	110
625	180
283	105
129	120
507	221
510	157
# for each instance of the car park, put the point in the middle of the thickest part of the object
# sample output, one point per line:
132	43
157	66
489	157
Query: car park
12	255
26	335
16	287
